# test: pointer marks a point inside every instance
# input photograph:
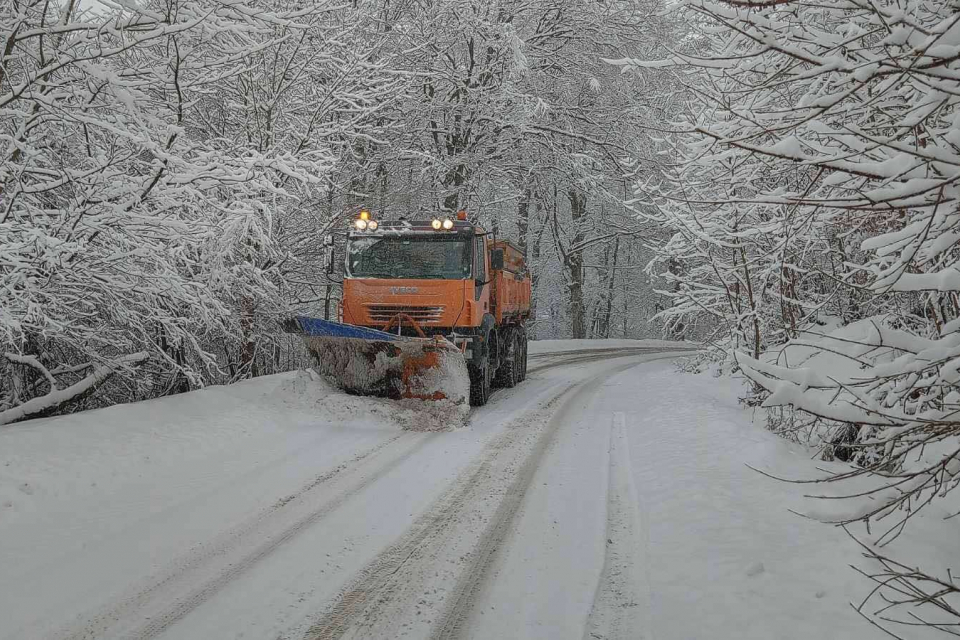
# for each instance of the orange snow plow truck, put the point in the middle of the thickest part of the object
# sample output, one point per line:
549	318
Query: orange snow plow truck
425	302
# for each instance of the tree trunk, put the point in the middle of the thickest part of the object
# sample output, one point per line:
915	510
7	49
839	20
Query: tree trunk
523	221
535	274
574	264
604	325
248	343
677	330
454	179
180	383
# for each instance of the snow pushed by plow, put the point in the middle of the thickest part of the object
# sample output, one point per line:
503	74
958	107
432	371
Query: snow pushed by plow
449	378
412	369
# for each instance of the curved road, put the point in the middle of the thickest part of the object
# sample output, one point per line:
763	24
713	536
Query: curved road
411	534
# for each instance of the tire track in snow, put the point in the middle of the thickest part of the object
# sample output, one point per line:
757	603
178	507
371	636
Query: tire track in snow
594	355
608	351
447	536
167	597
623	605
382	583
457	613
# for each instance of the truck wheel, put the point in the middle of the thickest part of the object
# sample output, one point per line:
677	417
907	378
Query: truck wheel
519	359
480	383
508	375
523	356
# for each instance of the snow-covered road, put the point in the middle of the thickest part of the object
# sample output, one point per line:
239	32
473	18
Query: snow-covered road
605	497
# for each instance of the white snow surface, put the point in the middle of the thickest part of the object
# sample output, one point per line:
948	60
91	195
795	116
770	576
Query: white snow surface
537	347
604	497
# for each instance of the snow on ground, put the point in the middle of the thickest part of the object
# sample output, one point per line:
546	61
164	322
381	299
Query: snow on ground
113	479
165	445
602	498
694	543
537	347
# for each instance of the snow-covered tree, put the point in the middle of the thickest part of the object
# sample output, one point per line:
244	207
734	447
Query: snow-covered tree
170	167
517	118
133	226
814	205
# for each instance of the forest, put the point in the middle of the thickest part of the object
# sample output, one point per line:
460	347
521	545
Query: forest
775	180
170	169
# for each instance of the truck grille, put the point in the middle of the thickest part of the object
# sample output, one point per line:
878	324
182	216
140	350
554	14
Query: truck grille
383	313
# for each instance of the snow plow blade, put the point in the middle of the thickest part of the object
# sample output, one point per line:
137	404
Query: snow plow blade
364	361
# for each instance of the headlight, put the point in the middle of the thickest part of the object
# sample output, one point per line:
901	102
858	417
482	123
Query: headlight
436	224
372	225
361	224
448	224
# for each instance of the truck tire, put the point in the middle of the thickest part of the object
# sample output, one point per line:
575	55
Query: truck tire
523	355
480	382
508	374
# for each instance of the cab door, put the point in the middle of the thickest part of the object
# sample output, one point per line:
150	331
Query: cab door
481	275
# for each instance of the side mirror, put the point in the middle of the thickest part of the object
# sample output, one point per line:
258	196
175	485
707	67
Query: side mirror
496	259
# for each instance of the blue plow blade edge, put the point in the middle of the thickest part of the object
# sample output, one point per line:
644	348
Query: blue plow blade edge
317	328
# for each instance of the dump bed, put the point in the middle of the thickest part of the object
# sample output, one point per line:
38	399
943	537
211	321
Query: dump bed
510	295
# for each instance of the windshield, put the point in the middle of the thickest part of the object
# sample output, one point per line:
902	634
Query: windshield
442	258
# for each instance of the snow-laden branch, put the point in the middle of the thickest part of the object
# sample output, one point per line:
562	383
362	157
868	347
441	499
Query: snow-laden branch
33	361
59	397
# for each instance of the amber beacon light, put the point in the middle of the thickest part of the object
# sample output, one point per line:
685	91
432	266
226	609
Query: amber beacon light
365	222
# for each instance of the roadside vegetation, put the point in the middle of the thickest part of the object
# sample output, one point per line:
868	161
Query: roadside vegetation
777	180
